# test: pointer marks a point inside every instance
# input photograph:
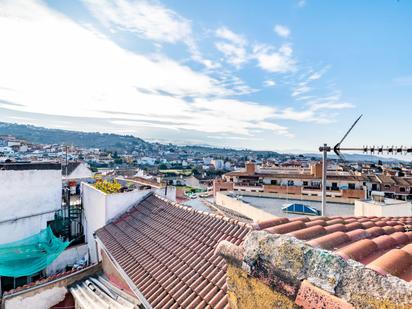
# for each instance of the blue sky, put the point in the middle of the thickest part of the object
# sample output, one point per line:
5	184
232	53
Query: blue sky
275	75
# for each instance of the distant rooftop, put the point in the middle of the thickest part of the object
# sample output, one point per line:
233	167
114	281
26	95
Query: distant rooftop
22	166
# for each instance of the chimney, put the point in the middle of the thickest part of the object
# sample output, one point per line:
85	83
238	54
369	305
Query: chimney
250	168
316	169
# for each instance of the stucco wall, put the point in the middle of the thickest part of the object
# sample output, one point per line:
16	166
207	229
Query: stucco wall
94	206
69	256
46	295
118	203
23	194
44	299
243	208
100	208
367	208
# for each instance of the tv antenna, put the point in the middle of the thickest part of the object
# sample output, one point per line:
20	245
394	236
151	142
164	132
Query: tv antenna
390	150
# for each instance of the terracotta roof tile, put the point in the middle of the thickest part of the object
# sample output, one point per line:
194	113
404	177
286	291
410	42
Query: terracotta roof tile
383	244
167	250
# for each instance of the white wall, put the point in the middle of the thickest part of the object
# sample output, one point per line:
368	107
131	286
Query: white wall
388	209
241	207
100	208
94	207
70	256
41	300
118	203
26	193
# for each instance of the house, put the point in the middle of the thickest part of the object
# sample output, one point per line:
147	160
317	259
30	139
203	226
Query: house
160	254
163	253
74	173
38	234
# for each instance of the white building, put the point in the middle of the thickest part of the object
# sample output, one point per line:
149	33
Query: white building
218	164
30	193
100	208
146	161
382	207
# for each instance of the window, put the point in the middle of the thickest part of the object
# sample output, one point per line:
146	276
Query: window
351	186
334	185
273	182
291	183
305	183
402	189
374	187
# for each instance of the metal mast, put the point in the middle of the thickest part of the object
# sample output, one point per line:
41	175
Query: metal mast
366	149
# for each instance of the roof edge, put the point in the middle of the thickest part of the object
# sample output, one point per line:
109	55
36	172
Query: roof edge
220	217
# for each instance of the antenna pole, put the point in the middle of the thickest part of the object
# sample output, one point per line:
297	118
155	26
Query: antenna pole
325	149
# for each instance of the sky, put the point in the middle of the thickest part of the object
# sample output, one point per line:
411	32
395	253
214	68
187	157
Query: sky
265	75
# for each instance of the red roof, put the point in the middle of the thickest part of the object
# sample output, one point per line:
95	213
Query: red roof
383	244
167	250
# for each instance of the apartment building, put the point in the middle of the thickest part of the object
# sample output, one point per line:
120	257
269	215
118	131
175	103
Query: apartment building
305	183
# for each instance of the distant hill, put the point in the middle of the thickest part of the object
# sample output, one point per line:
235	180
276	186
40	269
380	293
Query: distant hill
112	142
105	141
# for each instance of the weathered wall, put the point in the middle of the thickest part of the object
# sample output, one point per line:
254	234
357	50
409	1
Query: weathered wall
247	292
45	299
113	275
48	294
308	277
243	208
24	193
68	257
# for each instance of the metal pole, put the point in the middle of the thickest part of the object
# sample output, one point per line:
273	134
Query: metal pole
324	169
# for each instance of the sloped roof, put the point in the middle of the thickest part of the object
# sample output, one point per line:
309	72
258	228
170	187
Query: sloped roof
96	292
167	250
71	166
383	244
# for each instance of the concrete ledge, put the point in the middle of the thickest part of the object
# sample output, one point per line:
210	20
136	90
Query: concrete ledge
290	267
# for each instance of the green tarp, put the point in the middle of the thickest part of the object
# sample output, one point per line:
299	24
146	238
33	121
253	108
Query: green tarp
30	255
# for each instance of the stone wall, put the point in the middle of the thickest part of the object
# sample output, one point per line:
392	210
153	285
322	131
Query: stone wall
279	271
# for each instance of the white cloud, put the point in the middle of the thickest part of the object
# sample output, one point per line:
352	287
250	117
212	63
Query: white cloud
233	46
300	89
58	67
330	105
318	74
301	3
282	31
225	33
147	20
277	61
269	83
234	54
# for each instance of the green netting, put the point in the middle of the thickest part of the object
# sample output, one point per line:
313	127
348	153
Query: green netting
30	255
